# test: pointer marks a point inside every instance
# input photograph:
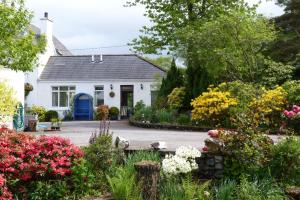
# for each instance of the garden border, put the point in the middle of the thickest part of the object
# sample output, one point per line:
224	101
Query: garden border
168	126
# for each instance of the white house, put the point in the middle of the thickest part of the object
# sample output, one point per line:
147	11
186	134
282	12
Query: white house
79	83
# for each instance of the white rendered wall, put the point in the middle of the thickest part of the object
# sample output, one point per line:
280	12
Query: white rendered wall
45	92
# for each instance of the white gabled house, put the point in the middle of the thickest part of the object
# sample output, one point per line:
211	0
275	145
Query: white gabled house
62	80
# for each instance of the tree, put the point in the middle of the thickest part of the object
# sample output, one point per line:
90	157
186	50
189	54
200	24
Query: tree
162	61
230	46
171	19
18	45
286	48
173	79
7	101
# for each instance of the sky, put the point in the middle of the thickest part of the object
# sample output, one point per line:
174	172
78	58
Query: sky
84	26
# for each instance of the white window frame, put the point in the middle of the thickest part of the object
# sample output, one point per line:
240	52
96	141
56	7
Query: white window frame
69	91
98	90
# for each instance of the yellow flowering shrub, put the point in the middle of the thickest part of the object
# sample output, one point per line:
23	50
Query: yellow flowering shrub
212	105
267	108
176	98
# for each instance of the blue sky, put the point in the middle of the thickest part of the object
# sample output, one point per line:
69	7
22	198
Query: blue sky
82	24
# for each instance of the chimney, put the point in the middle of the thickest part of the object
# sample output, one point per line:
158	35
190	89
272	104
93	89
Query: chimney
101	58
93	59
47	28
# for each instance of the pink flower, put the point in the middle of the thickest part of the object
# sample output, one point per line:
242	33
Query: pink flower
205	149
213	133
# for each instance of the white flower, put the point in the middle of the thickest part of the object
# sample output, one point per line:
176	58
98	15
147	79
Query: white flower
182	162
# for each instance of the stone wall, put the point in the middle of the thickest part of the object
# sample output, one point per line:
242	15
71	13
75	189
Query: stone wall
211	166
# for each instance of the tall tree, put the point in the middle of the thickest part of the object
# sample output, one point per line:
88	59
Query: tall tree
170	18
162	61
287	48
173	79
18	45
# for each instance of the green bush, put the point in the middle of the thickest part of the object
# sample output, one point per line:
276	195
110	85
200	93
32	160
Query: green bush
139	105
114	111
293	90
285	163
164	116
144	114
51	114
184	119
38	110
226	190
176	98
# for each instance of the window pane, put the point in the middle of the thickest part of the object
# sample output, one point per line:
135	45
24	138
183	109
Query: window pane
55	99
99	87
63	88
72	88
63	99
54	88
99	98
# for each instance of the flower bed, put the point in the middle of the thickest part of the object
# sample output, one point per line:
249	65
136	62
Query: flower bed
25	159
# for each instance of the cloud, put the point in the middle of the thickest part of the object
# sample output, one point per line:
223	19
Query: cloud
96	23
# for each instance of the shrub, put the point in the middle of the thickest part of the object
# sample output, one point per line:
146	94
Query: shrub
24	158
8	101
285	163
144	114
51	114
267	109
212	106
164	116
38	110
293	90
292	118
102	112
114	111
183	119
139	105
245	153
176	98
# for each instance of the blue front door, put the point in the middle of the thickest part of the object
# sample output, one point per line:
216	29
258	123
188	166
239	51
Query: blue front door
83	109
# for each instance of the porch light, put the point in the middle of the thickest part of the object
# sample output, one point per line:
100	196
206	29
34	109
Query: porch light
142	86
111	86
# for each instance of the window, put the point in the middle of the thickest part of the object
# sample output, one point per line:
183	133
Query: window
62	96
99	95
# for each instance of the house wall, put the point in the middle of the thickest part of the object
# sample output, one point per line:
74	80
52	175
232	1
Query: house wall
45	92
16	81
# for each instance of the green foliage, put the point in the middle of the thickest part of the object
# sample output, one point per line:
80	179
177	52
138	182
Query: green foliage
144	114
139	105
162	61
276	73
8	101
82	179
246	153
230	46
114	111
226	190
140	156
44	190
164	116
38	110
19	46
285	163
293	90
183	119
99	153
123	185
173	79
176	98
51	114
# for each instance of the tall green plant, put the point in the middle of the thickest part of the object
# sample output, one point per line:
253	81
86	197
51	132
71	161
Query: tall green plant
8	101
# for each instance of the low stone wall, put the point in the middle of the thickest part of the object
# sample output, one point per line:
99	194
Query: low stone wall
168	126
210	166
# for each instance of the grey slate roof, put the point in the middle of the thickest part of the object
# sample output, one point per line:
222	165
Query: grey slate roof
60	48
80	68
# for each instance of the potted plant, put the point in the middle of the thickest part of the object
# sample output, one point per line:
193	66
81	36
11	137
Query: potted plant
114	113
55	124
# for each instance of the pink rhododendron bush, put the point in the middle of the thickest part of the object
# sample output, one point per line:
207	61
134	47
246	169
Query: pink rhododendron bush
25	159
292	118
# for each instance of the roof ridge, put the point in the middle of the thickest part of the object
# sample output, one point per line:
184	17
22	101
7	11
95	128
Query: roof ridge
87	55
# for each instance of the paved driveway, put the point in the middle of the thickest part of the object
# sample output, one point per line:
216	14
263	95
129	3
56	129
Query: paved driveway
79	133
